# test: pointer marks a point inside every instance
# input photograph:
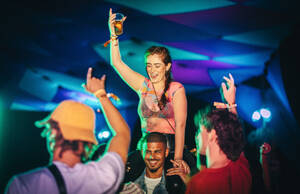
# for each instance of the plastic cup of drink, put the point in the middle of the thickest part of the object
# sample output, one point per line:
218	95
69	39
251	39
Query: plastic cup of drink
118	24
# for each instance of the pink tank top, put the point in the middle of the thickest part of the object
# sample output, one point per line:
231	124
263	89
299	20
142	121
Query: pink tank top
152	118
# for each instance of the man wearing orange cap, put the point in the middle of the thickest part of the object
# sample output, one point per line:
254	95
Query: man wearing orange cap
69	131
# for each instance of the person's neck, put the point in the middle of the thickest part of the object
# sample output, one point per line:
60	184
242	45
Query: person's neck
154	175
159	86
68	157
216	158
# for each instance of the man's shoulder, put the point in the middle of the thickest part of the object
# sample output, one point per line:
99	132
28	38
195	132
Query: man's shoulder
33	173
111	158
27	179
205	180
241	171
110	164
199	175
140	179
203	175
242	161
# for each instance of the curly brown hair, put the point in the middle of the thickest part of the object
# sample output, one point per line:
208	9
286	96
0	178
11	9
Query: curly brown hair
66	144
228	129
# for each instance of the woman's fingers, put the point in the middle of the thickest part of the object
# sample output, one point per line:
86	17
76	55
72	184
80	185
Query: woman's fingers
112	19
180	166
175	163
226	78
110	11
103	77
175	171
113	16
230	81
223	86
187	169
231	78
178	163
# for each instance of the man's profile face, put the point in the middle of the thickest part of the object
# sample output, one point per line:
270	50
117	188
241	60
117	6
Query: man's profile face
155	154
201	139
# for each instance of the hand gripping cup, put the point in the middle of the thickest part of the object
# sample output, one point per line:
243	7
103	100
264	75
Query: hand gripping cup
118	27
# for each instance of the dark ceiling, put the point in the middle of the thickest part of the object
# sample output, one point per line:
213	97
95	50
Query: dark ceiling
47	47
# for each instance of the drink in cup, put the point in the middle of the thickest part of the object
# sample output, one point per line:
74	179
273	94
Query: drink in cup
118	24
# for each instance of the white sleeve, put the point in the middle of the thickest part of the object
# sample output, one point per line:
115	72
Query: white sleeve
14	186
109	170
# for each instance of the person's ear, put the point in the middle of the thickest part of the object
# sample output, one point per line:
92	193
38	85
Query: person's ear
53	134
213	135
143	153
51	140
168	66
80	148
167	152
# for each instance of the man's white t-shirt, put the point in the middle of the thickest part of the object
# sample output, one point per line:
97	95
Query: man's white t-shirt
102	176
151	183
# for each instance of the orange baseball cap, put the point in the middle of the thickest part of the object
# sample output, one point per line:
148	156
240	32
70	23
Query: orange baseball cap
76	121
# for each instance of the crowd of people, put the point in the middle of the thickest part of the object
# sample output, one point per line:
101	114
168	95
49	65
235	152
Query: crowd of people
165	165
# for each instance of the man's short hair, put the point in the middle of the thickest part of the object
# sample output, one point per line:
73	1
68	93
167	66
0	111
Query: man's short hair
228	129
154	137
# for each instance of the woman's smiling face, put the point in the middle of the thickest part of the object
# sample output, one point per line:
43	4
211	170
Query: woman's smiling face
156	68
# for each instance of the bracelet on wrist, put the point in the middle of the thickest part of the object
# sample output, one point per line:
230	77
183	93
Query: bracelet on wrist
223	105
100	93
113	37
229	106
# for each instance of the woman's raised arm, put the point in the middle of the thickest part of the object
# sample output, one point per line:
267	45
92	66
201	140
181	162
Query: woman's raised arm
132	78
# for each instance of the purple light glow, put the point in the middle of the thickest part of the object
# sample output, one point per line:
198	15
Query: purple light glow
191	76
196	71
201	64
216	47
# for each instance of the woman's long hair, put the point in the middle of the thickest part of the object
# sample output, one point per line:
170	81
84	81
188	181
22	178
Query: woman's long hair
166	58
